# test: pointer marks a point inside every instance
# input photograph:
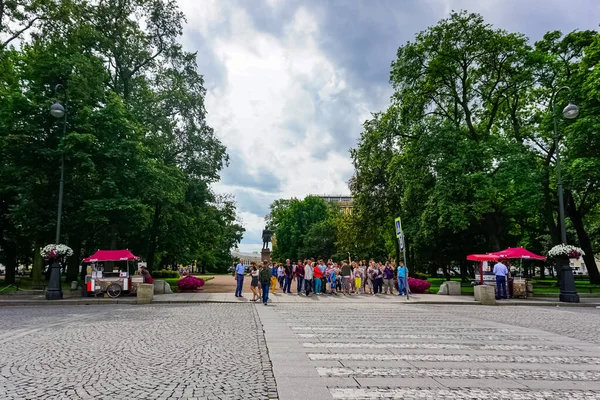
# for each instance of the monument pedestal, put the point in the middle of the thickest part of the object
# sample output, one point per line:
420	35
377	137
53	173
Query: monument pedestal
265	255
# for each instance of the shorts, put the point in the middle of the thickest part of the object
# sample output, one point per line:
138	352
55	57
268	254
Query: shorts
358	283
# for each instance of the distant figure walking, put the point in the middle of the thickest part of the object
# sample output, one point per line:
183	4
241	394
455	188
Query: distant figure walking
240	269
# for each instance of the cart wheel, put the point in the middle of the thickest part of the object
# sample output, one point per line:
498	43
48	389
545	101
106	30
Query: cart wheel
113	290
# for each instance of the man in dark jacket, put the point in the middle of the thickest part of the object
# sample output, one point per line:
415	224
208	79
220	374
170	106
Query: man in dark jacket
288	271
300	276
264	277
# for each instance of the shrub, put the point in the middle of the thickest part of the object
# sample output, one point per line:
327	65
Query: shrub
420	275
418	285
190	283
165	273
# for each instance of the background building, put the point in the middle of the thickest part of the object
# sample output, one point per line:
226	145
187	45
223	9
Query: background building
343	201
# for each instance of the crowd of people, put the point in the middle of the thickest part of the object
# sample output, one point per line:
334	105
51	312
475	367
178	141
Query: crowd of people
310	277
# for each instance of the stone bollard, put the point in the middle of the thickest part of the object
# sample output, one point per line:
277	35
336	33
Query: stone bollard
74	285
453	288
443	289
485	294
145	291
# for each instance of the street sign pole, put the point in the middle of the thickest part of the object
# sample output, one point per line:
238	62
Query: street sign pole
402	245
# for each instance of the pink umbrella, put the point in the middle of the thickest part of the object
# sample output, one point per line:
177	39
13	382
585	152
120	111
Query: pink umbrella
518	252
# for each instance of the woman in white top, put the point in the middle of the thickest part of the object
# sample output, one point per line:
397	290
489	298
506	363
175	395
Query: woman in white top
308	278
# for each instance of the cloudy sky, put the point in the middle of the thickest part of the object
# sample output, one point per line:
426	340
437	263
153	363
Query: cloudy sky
290	82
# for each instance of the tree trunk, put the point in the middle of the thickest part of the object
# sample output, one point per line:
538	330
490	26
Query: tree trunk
153	237
463	271
38	267
493	230
10	258
584	240
73	263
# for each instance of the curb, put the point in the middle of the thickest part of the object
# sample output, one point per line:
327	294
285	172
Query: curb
132	301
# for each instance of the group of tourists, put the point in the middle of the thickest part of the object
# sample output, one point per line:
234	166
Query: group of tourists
310	277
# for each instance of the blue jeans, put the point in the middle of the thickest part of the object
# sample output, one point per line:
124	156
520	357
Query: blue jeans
265	293
501	283
240	284
300	285
402	285
318	285
287	284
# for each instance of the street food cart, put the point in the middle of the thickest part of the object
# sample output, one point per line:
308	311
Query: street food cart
485	274
119	279
519	287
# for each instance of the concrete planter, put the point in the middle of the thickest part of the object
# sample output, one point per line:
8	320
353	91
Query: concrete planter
145	292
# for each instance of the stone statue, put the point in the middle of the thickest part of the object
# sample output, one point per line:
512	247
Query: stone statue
266	237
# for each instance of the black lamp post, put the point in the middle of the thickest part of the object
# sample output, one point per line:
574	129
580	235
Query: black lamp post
54	291
568	291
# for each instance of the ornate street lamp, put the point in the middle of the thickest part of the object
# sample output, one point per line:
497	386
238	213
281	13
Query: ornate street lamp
568	291
58	111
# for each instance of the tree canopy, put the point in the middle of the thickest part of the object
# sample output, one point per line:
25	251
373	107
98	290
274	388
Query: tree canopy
140	157
465	152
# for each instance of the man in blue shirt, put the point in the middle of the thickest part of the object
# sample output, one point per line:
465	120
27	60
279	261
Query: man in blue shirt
500	271
402	276
239	277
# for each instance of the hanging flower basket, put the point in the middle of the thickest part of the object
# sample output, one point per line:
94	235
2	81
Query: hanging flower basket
566	250
55	252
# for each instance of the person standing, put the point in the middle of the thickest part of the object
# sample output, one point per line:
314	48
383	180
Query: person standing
265	281
377	278
308	278
288	271
318	277
402	277
299	277
346	278
280	275
368	279
388	279
254	283
323	269
500	271
240	269
273	278
332	279
358	277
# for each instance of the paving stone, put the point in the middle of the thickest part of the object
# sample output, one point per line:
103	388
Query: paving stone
141	352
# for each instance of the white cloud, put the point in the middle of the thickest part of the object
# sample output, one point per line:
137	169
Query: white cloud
267	109
289	97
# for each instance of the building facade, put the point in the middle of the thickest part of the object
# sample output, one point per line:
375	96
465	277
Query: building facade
343	201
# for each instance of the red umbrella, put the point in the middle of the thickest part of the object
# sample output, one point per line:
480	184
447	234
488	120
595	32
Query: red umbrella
111	255
518	252
482	257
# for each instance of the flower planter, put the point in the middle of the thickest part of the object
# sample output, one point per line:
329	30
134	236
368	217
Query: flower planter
568	292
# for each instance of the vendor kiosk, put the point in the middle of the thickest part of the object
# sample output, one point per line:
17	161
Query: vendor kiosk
119	279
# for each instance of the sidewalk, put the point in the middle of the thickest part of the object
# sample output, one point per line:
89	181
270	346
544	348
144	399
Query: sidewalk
187	298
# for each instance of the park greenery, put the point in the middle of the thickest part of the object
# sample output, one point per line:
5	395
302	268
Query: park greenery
465	153
139	155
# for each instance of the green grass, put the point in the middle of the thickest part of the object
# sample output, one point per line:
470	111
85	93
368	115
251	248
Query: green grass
24	283
540	287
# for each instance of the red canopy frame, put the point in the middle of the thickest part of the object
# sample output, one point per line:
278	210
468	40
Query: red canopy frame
111	255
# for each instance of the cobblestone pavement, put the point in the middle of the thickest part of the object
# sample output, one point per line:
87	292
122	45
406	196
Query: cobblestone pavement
206	351
574	322
383	351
